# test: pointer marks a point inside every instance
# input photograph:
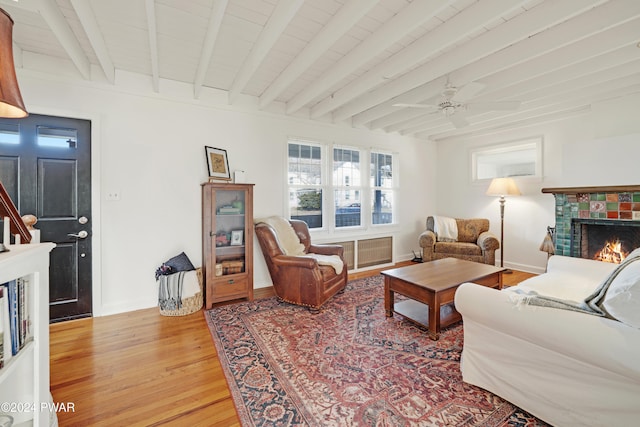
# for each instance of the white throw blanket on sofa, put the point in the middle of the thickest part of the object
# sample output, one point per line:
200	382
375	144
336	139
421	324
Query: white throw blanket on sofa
597	302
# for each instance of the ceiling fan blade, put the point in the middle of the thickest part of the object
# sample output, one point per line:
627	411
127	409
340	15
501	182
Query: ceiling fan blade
468	91
489	106
458	121
429	106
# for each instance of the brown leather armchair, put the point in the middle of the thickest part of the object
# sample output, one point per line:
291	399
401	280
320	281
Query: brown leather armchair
301	280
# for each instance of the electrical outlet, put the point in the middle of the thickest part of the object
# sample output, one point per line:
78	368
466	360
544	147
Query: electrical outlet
636	215
113	195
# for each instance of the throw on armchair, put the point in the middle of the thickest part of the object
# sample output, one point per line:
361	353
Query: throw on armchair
472	241
302	273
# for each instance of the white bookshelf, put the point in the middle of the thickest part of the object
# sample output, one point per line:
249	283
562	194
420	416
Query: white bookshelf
24	379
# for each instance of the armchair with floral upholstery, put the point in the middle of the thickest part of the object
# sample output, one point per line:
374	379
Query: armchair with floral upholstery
471	240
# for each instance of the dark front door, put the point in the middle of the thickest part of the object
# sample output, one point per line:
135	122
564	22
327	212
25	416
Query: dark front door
45	164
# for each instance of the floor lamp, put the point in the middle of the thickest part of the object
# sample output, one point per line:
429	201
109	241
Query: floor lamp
503	187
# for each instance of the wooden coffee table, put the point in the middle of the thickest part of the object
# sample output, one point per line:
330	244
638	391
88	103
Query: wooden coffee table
431	287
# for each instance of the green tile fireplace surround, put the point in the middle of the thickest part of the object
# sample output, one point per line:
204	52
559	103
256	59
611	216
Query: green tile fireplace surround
612	203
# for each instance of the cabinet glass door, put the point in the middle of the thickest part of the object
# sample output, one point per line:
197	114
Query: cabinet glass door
230	251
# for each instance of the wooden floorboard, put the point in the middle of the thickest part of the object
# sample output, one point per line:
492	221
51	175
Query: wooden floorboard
144	369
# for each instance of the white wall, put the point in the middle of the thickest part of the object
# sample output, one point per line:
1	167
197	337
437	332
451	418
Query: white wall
600	147
150	148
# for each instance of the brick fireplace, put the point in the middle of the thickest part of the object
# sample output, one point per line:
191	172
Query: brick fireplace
594	219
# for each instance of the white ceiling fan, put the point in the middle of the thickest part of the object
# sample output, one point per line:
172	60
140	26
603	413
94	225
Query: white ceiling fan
453	105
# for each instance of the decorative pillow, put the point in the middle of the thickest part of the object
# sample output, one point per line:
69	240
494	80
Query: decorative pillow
622	299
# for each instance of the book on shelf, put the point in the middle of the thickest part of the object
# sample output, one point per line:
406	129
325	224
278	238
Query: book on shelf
228	210
15	317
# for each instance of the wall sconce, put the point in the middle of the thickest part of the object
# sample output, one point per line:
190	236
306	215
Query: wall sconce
11	104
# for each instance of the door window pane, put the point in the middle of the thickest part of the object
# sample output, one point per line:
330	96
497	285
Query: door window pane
57	137
9	134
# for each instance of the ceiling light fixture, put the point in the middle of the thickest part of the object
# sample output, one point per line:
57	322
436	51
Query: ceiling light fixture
11	104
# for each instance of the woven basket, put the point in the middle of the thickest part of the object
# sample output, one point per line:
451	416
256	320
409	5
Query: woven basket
189	305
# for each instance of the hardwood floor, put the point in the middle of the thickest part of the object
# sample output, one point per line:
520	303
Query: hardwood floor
144	369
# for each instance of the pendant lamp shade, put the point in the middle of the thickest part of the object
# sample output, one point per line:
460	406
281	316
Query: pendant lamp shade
11	104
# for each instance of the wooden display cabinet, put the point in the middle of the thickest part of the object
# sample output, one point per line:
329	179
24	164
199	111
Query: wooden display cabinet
227	242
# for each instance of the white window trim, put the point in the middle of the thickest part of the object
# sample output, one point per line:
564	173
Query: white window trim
328	228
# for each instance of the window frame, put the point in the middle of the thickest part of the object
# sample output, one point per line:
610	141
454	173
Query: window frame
328	209
503	155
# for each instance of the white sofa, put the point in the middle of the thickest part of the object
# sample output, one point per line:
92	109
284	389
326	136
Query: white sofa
567	368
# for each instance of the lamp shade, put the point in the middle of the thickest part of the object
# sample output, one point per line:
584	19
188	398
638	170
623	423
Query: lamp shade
11	104
503	187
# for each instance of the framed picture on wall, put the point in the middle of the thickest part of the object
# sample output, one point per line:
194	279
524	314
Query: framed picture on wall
218	164
236	237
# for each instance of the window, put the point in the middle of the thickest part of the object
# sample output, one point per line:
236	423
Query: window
347	191
352	200
382	188
517	158
305	183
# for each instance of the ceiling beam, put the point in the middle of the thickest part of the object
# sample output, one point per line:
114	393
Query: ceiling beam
284	12
215	20
342	21
459	27
404	22
88	20
150	6
54	18
522	27
564	65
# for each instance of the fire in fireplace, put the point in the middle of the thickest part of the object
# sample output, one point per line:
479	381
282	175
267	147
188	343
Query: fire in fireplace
604	240
611	252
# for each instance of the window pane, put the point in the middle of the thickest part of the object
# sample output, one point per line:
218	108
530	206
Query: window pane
382	207
346	167
306	204
57	137
9	134
381	170
305	165
347	204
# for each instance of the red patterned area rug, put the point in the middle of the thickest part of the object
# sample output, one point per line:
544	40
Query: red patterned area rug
348	365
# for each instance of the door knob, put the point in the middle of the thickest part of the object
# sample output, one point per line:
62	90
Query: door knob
81	235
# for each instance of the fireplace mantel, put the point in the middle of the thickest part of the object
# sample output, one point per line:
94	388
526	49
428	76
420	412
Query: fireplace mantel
603	189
